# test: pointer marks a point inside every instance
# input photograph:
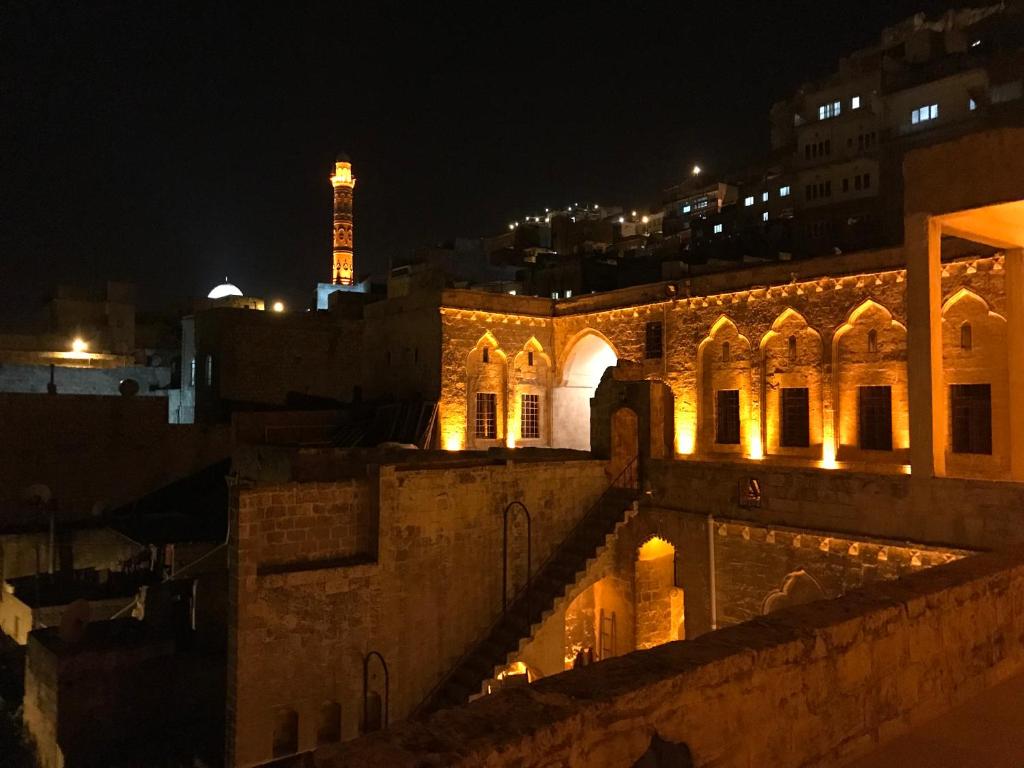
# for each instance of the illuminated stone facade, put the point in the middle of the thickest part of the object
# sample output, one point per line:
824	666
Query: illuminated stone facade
830	334
344	183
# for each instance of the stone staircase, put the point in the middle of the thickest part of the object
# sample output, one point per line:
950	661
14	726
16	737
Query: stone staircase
538	601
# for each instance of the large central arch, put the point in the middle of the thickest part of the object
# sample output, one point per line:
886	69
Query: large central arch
586	359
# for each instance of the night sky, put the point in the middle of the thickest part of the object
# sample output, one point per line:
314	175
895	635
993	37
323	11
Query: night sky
173	143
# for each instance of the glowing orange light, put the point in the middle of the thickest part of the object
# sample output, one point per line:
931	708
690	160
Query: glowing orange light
79	345
278	306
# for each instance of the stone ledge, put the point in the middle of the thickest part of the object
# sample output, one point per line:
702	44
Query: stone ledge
602	716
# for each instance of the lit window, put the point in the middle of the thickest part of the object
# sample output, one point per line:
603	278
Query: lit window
825	111
784	191
687	208
529	423
749	200
855	102
568	293
192	375
718	229
924	114
972	104
764	197
554	294
764	216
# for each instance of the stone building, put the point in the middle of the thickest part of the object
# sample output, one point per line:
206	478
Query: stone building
751	441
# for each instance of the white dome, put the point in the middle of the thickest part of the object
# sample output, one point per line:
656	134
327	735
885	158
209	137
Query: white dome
224	289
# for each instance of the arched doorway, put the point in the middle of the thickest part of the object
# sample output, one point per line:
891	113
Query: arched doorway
583	366
659	602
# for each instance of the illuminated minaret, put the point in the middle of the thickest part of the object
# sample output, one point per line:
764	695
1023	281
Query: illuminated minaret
343	182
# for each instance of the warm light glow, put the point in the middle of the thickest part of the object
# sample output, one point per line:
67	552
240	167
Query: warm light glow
686	433
79	345
343	175
754	449
655	548
696	170
828	443
515	668
278	306
644	219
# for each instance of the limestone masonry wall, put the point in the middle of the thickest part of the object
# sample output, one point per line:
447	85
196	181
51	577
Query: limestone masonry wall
813	685
939	511
302	626
830	334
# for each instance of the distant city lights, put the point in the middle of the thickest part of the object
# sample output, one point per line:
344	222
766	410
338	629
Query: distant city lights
696	170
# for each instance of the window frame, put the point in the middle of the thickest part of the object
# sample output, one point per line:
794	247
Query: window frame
794	417
485	420
872	417
529	416
728	429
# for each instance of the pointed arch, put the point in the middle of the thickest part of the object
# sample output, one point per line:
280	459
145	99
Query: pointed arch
529	415
724	396
573	343
966	295
583	361
788	315
486	392
792	393
869	387
490	341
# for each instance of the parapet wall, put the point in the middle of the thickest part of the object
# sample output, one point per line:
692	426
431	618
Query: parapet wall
978	514
813	685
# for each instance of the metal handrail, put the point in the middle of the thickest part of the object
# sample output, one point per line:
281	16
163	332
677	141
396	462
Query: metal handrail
630	475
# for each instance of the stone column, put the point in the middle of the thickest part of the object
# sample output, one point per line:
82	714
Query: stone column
927	402
1014	276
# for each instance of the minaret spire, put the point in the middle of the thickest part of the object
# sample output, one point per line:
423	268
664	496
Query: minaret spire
344	182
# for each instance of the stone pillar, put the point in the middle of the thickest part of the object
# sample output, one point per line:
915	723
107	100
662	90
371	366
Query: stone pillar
1014	276
927	402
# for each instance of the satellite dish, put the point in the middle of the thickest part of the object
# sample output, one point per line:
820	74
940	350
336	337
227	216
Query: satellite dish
37	493
128	387
74	622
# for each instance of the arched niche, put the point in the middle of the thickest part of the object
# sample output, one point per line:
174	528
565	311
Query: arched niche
869	353
658	608
286	732
975	353
529	408
791	361
587	356
487	393
724	363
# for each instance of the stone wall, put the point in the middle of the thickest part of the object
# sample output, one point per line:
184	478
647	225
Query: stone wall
812	685
761	569
302	624
973	514
97	451
759	332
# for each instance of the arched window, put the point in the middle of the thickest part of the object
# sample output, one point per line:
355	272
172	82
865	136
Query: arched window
529	358
792	349
286	732
486	355
726	353
966	337
329	729
872	340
